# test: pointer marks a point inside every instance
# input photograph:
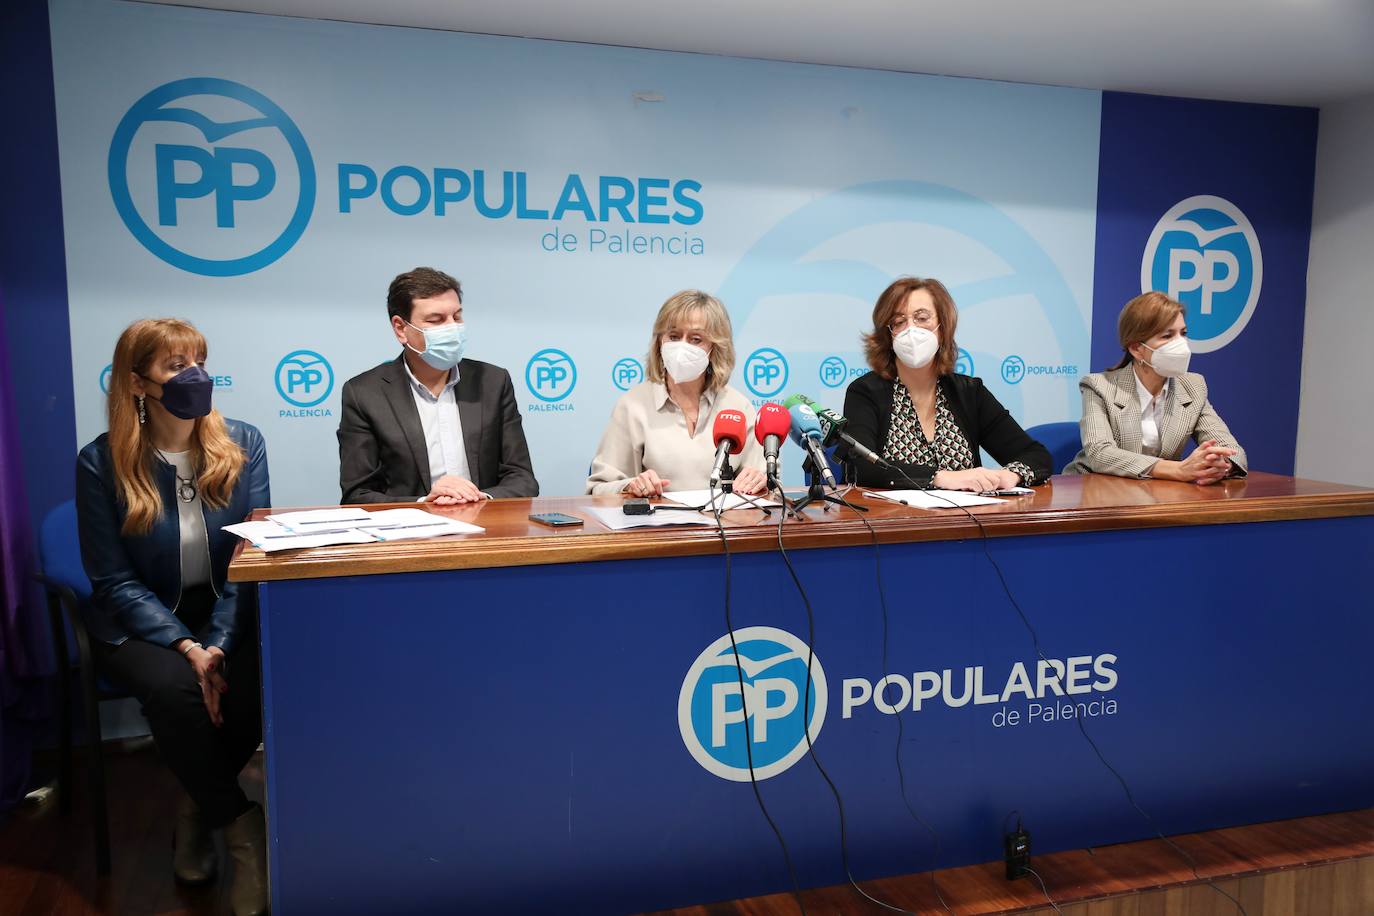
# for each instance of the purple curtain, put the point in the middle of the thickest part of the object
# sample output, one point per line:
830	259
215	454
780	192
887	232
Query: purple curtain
26	662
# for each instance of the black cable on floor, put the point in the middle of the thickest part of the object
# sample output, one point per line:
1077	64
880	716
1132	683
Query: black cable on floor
806	731
744	708
1035	639
901	775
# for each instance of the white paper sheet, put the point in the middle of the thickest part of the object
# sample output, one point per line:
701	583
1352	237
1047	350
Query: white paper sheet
935	499
255	531
447	526
403	518
321	519
617	520
703	498
347	526
297	541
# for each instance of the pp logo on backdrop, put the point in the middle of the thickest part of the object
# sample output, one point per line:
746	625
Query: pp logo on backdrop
627	373
1013	370
964	364
711	710
304	378
550	375
765	372
833	372
197	169
1205	253
105	378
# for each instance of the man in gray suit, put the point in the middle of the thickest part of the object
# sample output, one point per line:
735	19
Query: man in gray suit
430	424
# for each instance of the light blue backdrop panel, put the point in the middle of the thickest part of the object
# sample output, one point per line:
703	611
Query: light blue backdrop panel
266	177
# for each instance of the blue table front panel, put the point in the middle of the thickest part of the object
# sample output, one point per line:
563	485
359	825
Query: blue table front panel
507	740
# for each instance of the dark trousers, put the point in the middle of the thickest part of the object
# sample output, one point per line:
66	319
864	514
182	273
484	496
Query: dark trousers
205	759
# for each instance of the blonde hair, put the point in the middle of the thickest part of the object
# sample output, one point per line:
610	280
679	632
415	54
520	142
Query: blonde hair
218	460
1142	318
877	344
675	313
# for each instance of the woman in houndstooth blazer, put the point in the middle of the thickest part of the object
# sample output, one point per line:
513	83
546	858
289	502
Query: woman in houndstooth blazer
1138	416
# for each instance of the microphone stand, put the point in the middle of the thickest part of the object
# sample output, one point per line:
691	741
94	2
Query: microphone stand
727	485
788	505
815	493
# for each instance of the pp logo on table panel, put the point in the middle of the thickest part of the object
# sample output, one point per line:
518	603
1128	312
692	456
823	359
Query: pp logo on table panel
765	372
711	710
1204	253
551	375
304	378
220	209
627	373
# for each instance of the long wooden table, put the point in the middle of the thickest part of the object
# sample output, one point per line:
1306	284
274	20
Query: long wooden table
540	720
1068	504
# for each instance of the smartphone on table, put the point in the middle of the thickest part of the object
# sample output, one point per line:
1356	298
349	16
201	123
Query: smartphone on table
556	519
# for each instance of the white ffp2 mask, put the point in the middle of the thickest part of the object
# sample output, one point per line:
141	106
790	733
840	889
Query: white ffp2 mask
683	361
916	347
1171	360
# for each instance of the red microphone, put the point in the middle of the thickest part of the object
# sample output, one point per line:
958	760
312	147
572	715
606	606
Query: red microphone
728	434
771	428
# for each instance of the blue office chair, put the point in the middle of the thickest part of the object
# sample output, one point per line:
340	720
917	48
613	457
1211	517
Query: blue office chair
68	590
1062	439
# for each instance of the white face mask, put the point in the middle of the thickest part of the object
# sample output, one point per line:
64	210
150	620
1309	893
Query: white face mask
1170	360
916	347
684	361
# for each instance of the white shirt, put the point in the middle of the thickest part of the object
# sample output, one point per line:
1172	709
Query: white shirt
442	426
649	431
195	545
1151	415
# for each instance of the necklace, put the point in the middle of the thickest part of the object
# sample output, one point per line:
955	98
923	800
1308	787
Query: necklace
186	486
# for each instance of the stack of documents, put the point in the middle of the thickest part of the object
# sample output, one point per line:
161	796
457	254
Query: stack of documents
322	527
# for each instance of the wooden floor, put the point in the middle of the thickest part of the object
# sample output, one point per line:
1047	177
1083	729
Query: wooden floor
1260	865
47	866
47	862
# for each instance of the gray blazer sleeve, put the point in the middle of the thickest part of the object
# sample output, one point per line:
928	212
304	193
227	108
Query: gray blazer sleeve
1101	454
1210	425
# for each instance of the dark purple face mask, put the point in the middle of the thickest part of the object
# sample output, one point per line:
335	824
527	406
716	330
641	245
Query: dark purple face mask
186	395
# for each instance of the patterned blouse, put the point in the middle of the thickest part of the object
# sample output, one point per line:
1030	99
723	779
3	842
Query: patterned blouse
907	442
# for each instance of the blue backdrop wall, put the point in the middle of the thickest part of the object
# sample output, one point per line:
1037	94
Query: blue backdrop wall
1248	171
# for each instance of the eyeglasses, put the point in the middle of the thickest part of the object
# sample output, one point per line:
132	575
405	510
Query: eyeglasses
922	317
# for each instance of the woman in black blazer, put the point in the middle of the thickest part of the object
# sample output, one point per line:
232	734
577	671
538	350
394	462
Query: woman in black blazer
924	419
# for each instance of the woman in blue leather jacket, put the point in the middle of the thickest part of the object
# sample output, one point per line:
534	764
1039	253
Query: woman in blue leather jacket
153	495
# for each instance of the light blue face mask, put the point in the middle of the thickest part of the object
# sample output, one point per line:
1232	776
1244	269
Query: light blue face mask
443	345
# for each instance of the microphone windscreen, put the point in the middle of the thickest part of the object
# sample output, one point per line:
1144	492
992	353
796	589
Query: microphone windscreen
804	424
795	399
730	425
773	420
